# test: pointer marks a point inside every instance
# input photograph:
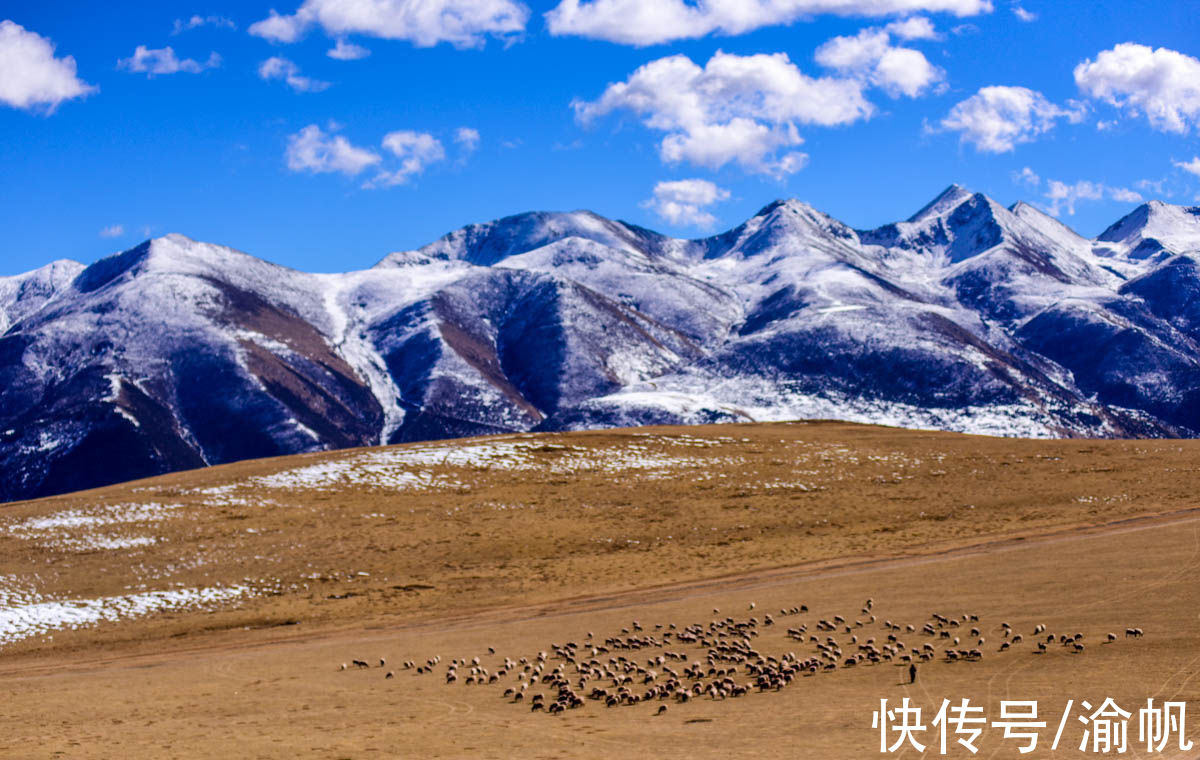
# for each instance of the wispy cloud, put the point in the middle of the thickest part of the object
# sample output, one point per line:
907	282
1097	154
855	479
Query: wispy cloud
1064	197
281	68
182	25
164	61
347	51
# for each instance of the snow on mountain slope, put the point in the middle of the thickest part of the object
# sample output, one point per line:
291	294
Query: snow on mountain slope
490	243
23	295
968	316
1152	232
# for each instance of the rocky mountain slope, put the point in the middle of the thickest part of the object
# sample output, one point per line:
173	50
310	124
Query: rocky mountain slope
968	316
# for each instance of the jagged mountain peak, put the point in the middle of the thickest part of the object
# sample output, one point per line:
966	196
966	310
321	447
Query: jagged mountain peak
24	294
946	201
954	226
1153	231
489	243
790	224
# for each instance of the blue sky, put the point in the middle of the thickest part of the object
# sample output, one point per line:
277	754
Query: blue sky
685	118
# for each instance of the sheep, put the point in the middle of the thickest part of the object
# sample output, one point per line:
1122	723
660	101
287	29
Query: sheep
661	709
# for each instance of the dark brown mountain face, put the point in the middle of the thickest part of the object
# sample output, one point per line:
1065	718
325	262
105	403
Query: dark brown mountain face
968	316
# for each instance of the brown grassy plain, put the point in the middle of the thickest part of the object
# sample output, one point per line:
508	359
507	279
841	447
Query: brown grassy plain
518	542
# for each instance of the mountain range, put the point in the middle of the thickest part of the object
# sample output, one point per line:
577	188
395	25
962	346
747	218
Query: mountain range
968	316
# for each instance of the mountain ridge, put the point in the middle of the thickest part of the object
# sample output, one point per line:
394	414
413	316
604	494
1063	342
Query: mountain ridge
967	316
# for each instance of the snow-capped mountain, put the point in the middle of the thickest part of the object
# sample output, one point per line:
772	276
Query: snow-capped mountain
968	316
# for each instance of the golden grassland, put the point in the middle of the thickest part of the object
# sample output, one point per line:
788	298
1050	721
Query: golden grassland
518	542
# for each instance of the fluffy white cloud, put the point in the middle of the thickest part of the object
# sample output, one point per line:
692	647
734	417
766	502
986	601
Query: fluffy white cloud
467	139
164	61
112	231
1163	84
741	109
1192	166
914	28
1063	196
462	23
870	56
313	150
649	22
682	202
347	51
1023	15
30	76
1027	176
282	68
198	21
996	119
416	150
283	29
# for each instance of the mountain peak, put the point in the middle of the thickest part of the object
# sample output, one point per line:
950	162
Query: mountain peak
950	198
491	242
1153	230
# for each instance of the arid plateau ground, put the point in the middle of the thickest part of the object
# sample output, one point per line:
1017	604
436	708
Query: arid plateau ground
208	613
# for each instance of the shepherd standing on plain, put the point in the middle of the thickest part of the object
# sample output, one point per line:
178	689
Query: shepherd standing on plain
912	673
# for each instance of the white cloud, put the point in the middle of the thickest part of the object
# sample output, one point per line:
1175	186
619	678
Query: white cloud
1027	176
914	28
1162	84
163	61
741	109
1155	186
198	21
283	29
996	119
416	150
1024	15
682	202
1063	196
467	139
1192	166
649	22
1124	195
462	23
112	231
347	51
282	68
315	151
870	57
30	76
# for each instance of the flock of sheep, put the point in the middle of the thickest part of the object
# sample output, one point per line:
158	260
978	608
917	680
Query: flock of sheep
724	658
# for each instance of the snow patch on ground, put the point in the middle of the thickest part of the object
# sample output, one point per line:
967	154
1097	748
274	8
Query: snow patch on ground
25	619
93	517
409	469
75	530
